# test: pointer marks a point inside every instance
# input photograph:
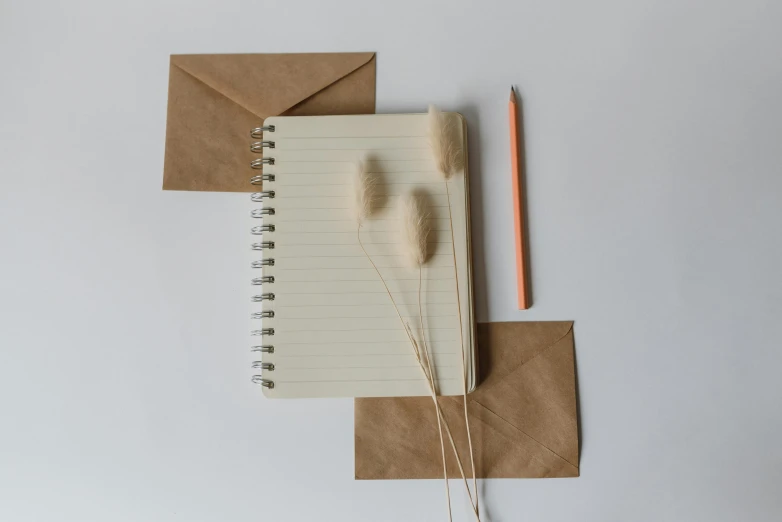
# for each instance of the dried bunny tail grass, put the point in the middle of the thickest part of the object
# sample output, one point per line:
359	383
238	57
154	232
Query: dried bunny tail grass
363	191
441	423
363	194
447	155
415	232
415	229
449	158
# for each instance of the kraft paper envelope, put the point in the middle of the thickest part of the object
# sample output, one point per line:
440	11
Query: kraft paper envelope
523	415
215	100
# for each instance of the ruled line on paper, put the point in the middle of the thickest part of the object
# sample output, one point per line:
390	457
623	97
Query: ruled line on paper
348	137
343	197
279	307
308	192
364	380
281	244
374	292
319	343
279	218
367	149
359	257
407	354
320	330
348	185
389	315
385	367
366	243
395	173
379	207
371	279
312	268
315	268
370	161
345	264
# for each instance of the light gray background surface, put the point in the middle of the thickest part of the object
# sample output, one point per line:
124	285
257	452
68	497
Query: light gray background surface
653	139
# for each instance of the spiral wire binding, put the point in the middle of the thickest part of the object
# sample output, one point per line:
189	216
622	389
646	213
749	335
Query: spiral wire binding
261	213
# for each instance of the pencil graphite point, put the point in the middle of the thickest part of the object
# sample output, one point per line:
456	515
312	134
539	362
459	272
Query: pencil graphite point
512	94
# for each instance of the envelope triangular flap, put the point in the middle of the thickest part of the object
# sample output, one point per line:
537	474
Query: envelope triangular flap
523	415
215	100
269	84
539	398
514	344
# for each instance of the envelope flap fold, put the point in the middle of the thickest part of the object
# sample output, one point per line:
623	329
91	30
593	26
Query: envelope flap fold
523	416
512	446
269	84
513	344
539	399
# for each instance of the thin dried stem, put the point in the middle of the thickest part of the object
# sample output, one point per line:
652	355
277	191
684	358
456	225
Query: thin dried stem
445	423
363	198
449	158
464	355
441	420
434	387
415	233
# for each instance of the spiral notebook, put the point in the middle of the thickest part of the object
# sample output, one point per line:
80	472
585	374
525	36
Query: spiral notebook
324	324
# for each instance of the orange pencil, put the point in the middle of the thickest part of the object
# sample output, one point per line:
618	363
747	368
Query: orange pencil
518	210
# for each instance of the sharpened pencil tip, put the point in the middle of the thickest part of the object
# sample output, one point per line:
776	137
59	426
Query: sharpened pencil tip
512	94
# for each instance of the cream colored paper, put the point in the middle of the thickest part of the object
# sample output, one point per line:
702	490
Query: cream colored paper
336	333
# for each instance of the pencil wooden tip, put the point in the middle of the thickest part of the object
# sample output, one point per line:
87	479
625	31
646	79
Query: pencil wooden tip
512	94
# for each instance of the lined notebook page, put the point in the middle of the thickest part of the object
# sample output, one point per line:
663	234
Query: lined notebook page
336	332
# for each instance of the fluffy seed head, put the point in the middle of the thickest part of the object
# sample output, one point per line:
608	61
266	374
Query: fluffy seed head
415	229
447	154
363	191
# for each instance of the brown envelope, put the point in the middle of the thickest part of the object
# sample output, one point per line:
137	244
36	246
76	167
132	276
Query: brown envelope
215	100
523	415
